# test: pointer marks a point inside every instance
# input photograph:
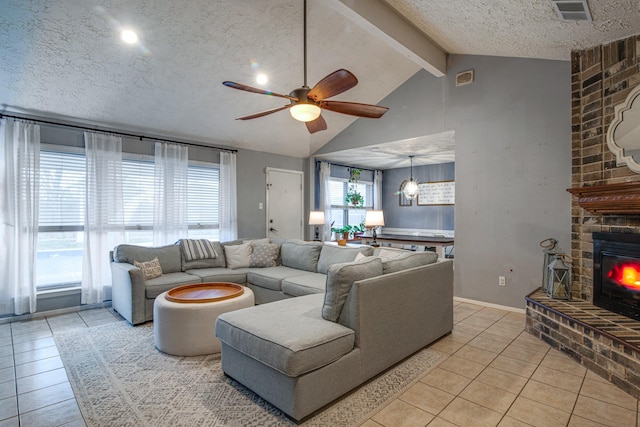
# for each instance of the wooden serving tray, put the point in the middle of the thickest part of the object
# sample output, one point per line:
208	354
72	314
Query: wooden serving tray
204	292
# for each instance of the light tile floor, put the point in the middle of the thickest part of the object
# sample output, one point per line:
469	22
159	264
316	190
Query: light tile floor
496	375
499	375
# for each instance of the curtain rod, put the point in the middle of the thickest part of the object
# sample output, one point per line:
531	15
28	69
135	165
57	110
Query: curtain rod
345	166
139	136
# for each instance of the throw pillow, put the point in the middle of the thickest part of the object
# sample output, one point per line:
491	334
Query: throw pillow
238	256
360	256
390	253
264	255
194	249
340	278
150	269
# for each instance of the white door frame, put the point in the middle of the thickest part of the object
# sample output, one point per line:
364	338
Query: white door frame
266	219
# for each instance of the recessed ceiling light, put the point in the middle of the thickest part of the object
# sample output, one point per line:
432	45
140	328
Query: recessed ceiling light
129	36
261	79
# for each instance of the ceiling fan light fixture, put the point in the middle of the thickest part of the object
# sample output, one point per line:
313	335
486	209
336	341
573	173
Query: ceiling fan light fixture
305	112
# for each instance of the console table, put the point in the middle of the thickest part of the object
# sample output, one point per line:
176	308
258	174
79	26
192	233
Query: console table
438	242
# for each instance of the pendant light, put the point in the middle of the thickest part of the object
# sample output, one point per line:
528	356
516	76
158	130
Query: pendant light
410	188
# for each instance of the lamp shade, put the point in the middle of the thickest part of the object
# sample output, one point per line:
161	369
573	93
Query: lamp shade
373	219
316	217
305	112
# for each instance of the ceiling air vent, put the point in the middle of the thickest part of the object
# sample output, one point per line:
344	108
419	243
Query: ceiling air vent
572	10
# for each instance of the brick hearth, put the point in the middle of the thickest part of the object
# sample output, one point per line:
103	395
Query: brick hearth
606	343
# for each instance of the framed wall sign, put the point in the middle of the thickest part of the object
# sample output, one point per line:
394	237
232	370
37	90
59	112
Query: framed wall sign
436	193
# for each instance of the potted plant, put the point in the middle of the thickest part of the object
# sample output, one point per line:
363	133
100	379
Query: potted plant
358	230
342	234
354	197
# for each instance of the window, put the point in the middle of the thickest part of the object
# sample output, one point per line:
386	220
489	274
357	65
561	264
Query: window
342	212
62	202
61	218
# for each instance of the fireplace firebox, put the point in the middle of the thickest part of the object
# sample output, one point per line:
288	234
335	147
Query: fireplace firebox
616	273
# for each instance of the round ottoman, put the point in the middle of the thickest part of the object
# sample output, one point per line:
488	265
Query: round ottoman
189	329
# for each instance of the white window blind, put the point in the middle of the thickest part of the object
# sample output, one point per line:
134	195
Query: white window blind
203	197
137	194
62	191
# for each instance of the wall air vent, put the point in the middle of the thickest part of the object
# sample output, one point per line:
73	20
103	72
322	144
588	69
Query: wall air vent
572	10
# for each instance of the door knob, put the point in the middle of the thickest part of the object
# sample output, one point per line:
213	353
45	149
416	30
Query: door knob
273	229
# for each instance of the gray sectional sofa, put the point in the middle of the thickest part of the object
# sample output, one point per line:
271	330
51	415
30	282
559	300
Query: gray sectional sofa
328	318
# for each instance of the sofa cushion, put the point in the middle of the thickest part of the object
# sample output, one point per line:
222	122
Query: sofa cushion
340	278
399	259
208	275
304	284
150	269
301	255
270	277
288	335
264	255
238	256
155	287
338	254
169	256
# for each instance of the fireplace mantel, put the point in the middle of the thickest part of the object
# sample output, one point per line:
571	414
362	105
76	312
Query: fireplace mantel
622	198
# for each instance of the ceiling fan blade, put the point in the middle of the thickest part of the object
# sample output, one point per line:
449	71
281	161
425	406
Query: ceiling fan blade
354	108
264	113
316	125
332	85
246	88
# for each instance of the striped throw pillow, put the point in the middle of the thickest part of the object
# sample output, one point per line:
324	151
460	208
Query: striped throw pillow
194	249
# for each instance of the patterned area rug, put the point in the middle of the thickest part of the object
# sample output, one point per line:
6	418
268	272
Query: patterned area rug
121	379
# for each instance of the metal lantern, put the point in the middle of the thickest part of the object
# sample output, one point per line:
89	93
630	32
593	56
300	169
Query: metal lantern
551	250
559	278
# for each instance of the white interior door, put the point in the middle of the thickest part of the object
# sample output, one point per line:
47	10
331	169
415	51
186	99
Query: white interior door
284	204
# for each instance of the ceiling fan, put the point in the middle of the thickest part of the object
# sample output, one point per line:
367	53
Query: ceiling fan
306	103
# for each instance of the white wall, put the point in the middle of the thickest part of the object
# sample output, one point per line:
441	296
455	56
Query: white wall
513	163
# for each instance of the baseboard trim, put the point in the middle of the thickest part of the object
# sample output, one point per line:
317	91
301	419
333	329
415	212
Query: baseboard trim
40	314
490	305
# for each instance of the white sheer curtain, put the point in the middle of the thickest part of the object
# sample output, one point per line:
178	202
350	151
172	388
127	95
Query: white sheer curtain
19	195
170	198
228	211
325	197
104	214
377	189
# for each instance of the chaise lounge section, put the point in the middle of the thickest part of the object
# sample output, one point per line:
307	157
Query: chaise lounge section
301	354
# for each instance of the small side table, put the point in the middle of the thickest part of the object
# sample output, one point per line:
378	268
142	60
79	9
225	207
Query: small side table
185	325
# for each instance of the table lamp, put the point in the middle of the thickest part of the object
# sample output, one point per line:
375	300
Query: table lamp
316	218
374	219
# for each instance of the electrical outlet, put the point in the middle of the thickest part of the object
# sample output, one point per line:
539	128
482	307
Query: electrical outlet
502	281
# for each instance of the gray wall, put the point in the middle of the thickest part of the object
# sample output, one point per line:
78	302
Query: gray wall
513	163
252	185
414	216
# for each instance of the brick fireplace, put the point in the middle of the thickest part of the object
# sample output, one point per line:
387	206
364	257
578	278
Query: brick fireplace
607	343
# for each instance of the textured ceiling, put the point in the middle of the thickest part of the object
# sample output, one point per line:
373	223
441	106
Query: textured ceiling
64	58
521	28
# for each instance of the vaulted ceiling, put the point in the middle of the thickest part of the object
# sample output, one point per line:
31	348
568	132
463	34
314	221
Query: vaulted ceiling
64	59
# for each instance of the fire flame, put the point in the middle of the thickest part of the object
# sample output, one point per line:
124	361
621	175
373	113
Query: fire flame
628	275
